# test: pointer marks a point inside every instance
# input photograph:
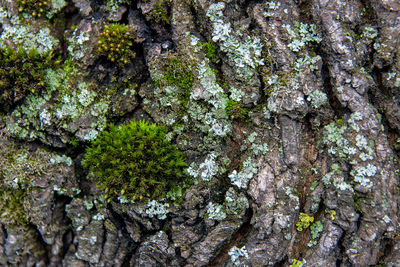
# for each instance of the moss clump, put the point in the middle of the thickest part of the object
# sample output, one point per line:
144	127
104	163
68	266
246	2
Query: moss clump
37	8
116	42
179	74
160	12
134	161
13	206
235	110
21	72
210	50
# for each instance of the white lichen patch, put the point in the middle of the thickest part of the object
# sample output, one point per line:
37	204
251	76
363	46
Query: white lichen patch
157	209
242	178
77	48
317	99
246	55
237	254
301	35
24	35
216	212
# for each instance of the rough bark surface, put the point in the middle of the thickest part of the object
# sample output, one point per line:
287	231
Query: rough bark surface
313	134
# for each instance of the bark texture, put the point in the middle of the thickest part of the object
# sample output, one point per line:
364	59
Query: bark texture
287	112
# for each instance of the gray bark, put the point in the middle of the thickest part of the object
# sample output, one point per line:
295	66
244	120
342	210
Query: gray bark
320	84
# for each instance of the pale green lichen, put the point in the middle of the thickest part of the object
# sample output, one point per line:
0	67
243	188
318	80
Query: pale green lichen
157	209
308	62
206	170
215	117
336	178
216	212
113	5
317	99
56	6
242	178
301	35
77	45
316	229
245	54
24	36
236	204
39	112
61	159
363	175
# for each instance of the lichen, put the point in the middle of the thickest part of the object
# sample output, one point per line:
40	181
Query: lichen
316	228
246	55
242	178
304	221
236	204
301	35
77	47
237	255
216	212
317	99
157	209
24	36
206	170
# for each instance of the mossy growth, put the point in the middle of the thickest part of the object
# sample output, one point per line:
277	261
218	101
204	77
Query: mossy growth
210	50
134	161
36	8
235	110
178	72
116	42
13	206
21	72
160	13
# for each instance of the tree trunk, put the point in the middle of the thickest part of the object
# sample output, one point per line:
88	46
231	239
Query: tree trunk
287	113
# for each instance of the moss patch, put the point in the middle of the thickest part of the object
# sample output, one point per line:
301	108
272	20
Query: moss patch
116	42
134	161
21	72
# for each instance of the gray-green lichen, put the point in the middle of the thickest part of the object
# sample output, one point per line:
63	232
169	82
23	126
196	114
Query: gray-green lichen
26	36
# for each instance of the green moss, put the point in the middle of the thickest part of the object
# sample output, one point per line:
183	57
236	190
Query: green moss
160	12
357	203
210	50
235	110
36	8
134	161
13	204
21	72
178	74
116	42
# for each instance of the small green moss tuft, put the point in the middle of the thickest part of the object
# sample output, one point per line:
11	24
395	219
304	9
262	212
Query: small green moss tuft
21	72
160	13
235	110
134	161
178	74
12	206
210	50
36	8
116	42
